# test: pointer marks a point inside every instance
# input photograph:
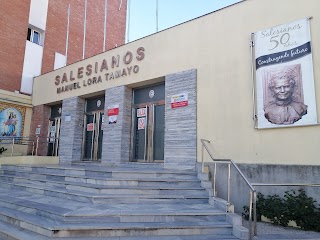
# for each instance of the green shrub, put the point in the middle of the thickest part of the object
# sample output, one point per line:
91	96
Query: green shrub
295	206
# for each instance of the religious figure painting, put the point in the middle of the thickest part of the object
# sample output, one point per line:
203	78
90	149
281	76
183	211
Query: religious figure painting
10	122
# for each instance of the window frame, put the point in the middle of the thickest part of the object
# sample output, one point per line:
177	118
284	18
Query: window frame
31	36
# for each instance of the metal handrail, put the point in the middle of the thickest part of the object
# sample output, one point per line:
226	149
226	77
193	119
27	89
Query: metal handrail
26	140
286	184
252	192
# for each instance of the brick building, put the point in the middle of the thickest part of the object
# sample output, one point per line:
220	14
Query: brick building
46	35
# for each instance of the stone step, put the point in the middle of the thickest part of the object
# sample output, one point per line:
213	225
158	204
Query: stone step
54	208
27	221
101	189
106	198
11	232
143	229
53	228
125	201
66	182
103	172
105	181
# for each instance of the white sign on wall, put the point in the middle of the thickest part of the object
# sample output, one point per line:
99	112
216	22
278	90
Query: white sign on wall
179	100
113	112
284	76
38	130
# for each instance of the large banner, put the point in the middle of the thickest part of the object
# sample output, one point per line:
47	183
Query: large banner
284	76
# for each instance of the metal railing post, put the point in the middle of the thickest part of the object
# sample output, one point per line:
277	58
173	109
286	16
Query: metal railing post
229	181
37	145
202	163
32	148
12	147
250	215
254	213
237	169
214	179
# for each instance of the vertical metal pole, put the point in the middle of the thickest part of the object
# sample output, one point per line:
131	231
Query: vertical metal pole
254	111
105	25
37	145
84	134
128	24
145	133
96	138
93	132
152	136
133	118
229	180
255	213
120	5
32	148
84	28
157	16
214	179
67	38
202	163
250	216
12	147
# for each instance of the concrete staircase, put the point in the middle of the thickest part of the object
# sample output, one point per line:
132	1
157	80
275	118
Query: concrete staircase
128	201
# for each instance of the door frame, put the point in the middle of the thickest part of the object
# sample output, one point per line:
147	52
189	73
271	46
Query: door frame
149	131
95	137
55	143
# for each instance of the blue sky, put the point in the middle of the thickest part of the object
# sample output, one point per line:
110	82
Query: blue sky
142	18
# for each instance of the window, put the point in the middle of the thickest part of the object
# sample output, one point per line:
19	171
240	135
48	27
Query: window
33	36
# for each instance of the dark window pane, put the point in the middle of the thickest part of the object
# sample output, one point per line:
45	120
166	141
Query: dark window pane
29	34
36	37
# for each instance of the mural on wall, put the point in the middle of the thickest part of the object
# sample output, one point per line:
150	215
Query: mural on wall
11	120
285	91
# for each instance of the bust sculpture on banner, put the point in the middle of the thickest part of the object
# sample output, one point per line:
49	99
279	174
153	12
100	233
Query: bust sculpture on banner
284	101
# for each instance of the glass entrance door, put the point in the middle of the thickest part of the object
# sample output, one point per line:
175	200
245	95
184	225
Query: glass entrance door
148	124
54	130
93	135
53	136
148	136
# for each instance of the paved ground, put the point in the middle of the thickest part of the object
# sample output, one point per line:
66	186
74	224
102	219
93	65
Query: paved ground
270	231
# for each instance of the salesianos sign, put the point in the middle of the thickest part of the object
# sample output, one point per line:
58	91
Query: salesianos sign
97	72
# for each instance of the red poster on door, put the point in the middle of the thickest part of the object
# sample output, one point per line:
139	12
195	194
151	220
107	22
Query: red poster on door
141	123
90	127
141	112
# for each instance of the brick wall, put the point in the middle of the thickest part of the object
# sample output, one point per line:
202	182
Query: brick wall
14	16
116	23
55	38
95	23
55	35
40	118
